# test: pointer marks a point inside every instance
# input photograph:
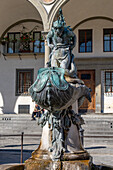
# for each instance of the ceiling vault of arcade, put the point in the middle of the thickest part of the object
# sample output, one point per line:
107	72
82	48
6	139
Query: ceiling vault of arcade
75	12
16	11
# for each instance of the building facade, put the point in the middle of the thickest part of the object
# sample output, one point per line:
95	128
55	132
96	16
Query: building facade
24	49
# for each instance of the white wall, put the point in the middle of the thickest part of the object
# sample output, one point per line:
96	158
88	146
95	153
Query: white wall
97	26
106	101
8	100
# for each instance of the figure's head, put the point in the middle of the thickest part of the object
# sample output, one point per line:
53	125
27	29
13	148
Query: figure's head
58	27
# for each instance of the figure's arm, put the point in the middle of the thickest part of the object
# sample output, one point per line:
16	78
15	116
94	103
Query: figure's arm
48	64
72	72
72	38
51	45
49	39
74	41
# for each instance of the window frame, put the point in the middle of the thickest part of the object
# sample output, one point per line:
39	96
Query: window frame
85	30
111	83
14	33
39	42
104	40
18	71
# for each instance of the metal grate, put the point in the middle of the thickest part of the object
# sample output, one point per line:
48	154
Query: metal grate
24	109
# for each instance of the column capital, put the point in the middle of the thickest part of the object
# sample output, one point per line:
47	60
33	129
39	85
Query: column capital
44	33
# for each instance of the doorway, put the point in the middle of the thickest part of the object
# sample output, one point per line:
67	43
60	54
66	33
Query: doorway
88	76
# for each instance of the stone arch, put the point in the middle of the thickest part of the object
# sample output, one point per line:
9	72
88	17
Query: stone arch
40	9
55	9
19	22
92	18
48	17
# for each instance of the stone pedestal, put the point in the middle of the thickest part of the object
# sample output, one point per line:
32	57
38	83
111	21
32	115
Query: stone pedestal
74	157
76	165
41	164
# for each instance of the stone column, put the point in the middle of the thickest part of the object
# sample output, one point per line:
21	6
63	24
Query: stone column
47	52
47	49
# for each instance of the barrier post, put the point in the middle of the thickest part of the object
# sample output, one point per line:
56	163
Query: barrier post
22	147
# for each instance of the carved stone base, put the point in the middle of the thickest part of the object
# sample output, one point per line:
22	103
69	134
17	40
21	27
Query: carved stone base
41	160
76	165
31	164
80	155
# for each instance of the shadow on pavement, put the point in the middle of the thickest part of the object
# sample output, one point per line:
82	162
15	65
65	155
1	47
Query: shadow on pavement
96	147
8	156
19	145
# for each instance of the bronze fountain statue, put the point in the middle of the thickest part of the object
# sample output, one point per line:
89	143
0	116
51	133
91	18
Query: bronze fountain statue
56	88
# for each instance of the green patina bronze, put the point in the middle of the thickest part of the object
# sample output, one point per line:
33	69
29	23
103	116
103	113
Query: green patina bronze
51	77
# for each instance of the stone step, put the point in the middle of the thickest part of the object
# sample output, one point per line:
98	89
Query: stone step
98	122
91	116
15	115
110	127
15	119
98	129
15	124
18	124
99	133
94	142
19	133
98	137
98	140
98	118
18	121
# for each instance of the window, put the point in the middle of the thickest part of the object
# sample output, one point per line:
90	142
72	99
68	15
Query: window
16	44
39	43
24	79
108	81
108	40
85	41
85	76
